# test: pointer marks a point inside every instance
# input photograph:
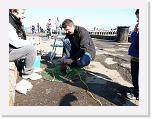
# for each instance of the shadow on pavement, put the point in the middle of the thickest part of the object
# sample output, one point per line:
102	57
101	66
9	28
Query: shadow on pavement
67	99
110	91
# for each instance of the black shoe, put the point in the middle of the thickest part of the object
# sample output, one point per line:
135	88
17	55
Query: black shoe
132	96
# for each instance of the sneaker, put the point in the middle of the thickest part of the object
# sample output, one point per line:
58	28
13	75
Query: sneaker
131	96
37	70
33	76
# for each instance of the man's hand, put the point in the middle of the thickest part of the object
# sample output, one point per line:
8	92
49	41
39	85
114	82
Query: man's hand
62	59
68	61
136	27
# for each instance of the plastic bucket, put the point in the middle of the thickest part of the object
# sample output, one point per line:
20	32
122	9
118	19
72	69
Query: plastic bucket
37	63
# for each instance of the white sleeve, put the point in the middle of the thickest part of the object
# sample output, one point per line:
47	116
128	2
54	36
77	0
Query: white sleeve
15	40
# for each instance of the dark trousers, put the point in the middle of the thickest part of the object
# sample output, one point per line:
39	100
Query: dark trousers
134	74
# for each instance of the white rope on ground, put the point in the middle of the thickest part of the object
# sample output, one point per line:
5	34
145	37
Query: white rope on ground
53	76
87	90
89	93
64	77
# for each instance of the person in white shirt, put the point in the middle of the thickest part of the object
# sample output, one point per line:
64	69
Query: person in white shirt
49	29
19	47
58	26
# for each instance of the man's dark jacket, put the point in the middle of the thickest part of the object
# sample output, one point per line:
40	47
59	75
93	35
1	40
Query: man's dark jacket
81	42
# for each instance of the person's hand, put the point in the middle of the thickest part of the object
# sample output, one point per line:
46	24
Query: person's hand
136	27
62	59
68	61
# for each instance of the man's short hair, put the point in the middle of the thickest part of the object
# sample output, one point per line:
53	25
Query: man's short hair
137	11
67	22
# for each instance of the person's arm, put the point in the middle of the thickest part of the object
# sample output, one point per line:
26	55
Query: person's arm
136	29
15	40
84	43
135	39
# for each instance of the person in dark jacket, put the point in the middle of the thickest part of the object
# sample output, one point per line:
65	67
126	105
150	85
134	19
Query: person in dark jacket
134	53
78	46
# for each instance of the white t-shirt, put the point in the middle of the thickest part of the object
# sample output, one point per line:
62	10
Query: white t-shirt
15	40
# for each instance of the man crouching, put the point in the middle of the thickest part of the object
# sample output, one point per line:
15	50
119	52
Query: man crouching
78	47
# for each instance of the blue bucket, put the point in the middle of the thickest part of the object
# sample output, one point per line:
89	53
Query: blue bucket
37	63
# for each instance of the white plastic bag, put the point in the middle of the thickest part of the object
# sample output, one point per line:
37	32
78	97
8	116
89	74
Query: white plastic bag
23	86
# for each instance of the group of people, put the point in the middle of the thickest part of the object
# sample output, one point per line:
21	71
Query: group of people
78	48
49	30
39	29
57	26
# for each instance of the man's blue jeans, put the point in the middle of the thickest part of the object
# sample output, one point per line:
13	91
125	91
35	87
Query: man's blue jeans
83	61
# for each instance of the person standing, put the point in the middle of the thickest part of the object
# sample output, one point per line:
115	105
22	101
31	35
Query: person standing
134	53
58	26
33	29
38	27
49	28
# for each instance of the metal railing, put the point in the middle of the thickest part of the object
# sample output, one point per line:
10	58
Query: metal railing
103	33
